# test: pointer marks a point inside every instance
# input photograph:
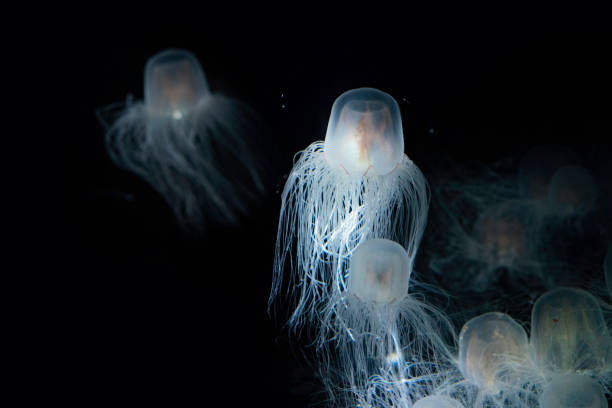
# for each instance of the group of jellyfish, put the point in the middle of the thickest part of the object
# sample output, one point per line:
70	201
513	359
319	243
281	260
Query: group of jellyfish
353	214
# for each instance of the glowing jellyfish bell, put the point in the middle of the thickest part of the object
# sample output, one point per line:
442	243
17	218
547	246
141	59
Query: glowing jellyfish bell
364	133
437	401
568	332
174	83
380	271
490	346
573	391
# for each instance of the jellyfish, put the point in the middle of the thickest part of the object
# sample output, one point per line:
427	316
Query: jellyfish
437	401
608	269
568	333
572	192
573	391
189	144
537	167
356	185
492	349
379	330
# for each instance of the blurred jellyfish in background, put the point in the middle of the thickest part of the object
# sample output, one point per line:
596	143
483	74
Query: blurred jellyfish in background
189	144
569	334
379	330
573	391
572	192
356	185
437	402
493	357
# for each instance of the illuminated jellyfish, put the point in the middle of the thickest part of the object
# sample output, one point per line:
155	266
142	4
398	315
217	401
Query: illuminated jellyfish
381	331
573	391
437	402
179	138
568	333
493	352
608	269
358	184
572	192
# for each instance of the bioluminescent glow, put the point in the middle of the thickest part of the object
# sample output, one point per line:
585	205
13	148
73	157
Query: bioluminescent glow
183	138
568	332
356	185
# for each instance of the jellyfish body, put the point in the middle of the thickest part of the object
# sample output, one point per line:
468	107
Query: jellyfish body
568	332
182	139
358	184
572	192
378	329
491	348
573	391
437	401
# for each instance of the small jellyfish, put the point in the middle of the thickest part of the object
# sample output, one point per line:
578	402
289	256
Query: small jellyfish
377	327
188	143
437	402
537	167
573	391
608	269
358	184
568	332
492	347
572	192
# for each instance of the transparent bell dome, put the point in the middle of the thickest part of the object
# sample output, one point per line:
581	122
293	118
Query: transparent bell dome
568	331
174	83
379	271
573	391
437	401
489	346
364	133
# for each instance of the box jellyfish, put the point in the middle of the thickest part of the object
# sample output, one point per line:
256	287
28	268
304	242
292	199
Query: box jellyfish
573	391
180	136
568	332
572	192
492	347
437	402
377	327
358	184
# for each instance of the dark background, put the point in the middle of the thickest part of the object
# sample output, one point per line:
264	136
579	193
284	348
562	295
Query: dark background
142	313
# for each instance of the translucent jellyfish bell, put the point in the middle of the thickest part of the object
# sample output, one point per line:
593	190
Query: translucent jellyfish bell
538	166
364	133
174	83
568	331
437	401
380	271
489	346
573	391
572	191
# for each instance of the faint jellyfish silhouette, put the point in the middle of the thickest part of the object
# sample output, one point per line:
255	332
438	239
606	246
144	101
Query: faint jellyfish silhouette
377	329
568	332
572	192
492	349
537	167
358	184
573	391
188	143
437	401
